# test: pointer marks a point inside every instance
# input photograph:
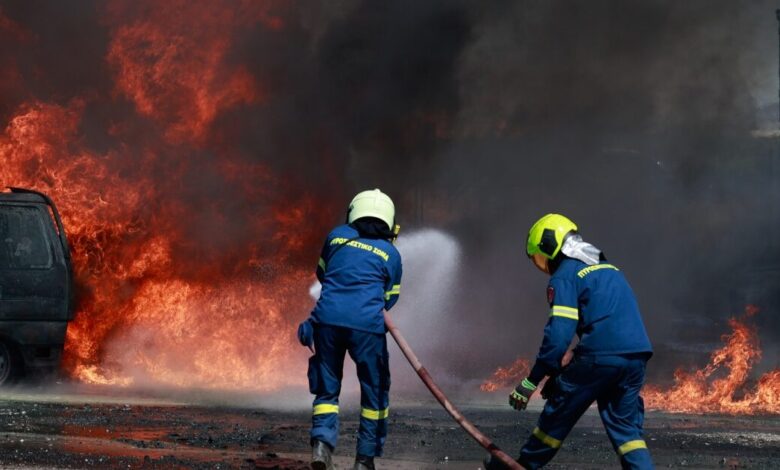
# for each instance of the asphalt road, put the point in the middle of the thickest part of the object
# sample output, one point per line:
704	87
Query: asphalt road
65	427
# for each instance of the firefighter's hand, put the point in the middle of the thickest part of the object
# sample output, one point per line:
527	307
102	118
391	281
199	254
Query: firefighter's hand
567	357
519	397
306	333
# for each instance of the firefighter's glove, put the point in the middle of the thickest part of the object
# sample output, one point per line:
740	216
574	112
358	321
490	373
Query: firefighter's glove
306	333
519	397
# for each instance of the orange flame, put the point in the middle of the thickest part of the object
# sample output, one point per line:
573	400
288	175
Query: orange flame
173	290
173	67
722	386
139	320
505	377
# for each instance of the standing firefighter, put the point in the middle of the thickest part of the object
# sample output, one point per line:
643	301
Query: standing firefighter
591	298
360	272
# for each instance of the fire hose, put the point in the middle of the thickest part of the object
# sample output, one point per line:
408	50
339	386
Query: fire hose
472	431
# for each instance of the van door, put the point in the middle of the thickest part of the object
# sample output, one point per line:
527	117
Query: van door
32	277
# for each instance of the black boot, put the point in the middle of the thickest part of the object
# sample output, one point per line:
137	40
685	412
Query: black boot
321	456
363	462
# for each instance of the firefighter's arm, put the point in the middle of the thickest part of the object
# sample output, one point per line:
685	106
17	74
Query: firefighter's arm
557	337
559	331
393	280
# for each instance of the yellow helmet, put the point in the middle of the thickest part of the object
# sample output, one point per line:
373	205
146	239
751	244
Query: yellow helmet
373	203
547	235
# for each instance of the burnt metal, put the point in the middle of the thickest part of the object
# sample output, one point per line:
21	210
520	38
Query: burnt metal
36	279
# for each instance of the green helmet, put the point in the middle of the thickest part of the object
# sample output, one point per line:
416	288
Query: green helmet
373	203
547	235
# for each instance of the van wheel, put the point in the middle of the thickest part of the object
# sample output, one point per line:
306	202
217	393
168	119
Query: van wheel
9	364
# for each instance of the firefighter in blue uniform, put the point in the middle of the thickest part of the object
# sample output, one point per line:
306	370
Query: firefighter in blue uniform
591	298
360	273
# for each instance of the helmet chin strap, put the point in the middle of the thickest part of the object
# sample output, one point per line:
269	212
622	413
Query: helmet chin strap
575	247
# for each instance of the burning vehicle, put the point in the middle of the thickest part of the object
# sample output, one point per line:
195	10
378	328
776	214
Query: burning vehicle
36	288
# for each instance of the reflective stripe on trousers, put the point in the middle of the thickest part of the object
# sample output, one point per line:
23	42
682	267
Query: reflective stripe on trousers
369	351
611	381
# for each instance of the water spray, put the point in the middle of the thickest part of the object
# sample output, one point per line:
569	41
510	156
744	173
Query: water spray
472	430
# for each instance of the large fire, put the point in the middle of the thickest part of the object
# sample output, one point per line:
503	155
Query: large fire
192	257
723	386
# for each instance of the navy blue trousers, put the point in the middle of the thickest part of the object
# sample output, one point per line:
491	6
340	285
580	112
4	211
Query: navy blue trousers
613	382
369	351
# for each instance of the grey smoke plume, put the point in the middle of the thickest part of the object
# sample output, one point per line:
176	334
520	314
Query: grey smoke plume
636	119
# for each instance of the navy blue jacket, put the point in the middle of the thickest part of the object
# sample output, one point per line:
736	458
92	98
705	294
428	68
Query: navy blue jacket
360	278
597	304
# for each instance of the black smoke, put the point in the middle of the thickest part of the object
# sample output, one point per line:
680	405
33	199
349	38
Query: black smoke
637	119
643	122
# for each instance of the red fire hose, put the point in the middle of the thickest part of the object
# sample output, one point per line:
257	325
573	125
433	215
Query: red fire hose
482	439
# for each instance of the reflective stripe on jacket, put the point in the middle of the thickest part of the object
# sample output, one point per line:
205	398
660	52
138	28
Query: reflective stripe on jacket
597	304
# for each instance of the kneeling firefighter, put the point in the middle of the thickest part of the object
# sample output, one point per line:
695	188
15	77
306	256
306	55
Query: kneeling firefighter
591	298
360	273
